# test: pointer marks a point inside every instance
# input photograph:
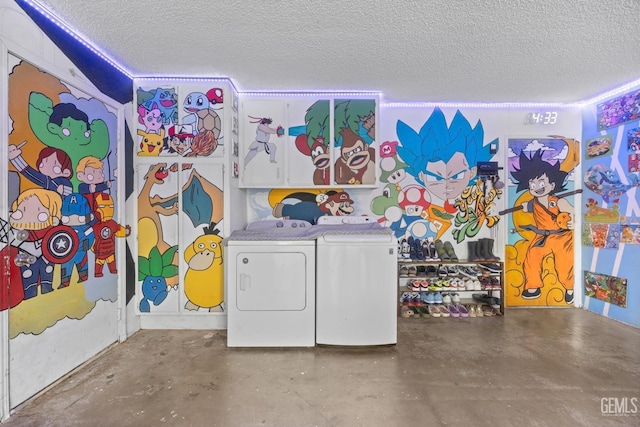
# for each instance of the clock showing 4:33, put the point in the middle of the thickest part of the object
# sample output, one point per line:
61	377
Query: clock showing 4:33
541	118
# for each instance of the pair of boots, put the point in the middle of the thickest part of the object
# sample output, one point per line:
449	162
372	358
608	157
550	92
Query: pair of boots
482	250
445	251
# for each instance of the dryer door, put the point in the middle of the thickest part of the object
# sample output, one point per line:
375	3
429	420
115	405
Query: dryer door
273	281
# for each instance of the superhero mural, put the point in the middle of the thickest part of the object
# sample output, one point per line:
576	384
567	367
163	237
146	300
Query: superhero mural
430	181
540	257
163	288
188	127
62	157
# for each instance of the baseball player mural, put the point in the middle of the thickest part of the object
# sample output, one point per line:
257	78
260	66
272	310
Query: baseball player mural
62	145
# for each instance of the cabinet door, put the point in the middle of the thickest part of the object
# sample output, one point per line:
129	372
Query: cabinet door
262	154
354	140
309	157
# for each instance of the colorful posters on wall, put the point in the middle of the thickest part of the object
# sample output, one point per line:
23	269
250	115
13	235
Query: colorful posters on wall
606	288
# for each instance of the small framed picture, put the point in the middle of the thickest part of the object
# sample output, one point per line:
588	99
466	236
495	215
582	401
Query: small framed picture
236	148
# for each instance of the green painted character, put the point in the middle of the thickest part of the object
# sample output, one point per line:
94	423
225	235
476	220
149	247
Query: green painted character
65	127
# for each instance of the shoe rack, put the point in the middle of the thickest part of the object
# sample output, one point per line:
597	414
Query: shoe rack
422	283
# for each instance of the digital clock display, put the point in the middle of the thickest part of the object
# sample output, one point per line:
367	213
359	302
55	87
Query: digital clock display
541	118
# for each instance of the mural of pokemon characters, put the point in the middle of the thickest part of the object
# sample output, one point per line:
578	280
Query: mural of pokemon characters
443	159
312	140
261	143
354	133
151	208
154	272
164	100
36	211
179	140
206	123
65	127
105	230
607	183
204	279
54	168
544	218
152	120
91	174
77	214
310	206
151	144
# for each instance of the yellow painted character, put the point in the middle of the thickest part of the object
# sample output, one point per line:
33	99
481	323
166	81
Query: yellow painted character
151	144
204	279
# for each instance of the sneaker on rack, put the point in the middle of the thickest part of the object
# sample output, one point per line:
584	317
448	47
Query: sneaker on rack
412	270
476	285
452	270
445	284
475	271
405	249
437	298
403	271
465	271
442	271
432	271
426	253
455	298
432	251
416	285
493	268
446	299
429	298
468	285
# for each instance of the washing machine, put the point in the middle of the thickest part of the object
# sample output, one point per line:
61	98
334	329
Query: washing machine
356	282
270	285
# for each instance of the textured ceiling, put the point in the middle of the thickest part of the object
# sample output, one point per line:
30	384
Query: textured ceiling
411	50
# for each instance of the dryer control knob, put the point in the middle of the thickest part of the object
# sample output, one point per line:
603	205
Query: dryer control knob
279	224
245	261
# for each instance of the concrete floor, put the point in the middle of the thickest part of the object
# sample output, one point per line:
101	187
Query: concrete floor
541	367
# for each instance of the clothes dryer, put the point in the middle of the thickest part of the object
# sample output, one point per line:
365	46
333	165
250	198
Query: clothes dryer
270	285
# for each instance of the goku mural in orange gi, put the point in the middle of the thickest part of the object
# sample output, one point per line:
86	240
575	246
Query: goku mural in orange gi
545	218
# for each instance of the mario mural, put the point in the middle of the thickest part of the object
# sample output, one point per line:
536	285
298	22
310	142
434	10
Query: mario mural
60	231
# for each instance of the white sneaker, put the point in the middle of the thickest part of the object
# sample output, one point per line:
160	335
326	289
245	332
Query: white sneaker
446	299
476	285
455	298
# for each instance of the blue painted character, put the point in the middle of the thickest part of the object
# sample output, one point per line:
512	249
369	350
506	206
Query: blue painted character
76	213
165	100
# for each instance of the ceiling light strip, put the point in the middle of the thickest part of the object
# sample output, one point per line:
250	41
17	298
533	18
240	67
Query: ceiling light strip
505	105
613	93
76	35
307	93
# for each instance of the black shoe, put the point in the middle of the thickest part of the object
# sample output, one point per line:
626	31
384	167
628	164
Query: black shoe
568	298
531	295
485	298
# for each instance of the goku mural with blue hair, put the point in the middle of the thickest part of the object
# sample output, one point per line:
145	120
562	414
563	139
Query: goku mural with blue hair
443	160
